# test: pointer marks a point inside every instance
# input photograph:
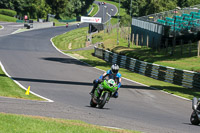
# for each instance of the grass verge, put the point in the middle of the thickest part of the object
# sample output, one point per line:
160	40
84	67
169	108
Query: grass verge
9	89
185	59
71	40
95	10
114	19
168	87
99	63
10	123
7	18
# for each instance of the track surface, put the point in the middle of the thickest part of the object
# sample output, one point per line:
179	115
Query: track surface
31	59
8	28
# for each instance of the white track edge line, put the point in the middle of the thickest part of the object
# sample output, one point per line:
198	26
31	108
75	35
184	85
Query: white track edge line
122	77
97	11
110	14
2	27
48	100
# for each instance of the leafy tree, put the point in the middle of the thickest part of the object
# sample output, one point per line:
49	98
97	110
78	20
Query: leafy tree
6	4
57	6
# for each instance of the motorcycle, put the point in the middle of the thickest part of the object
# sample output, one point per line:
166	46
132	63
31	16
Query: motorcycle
103	93
195	116
78	25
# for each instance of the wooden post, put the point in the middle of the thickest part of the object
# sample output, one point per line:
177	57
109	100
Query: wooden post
132	39
147	41
142	40
137	40
198	54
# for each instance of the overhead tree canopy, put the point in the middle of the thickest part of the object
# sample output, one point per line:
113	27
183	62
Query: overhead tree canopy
40	8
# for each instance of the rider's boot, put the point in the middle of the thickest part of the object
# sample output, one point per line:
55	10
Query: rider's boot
95	82
115	95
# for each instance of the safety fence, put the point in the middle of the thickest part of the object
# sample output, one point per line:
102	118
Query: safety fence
183	78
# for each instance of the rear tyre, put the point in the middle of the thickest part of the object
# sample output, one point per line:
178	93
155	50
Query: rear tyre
92	104
194	119
103	101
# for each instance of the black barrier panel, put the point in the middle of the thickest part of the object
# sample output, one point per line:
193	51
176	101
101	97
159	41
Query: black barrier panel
196	85
196	77
161	73
178	77
137	66
148	70
128	61
196	81
110	57
119	59
104	54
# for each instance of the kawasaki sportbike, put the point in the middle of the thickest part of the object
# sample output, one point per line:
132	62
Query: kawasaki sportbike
103	93
195	116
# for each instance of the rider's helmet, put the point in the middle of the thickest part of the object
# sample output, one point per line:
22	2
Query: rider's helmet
115	68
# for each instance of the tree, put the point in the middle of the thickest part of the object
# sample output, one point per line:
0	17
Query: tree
6	4
57	6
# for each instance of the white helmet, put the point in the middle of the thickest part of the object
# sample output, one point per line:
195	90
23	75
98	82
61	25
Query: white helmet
115	68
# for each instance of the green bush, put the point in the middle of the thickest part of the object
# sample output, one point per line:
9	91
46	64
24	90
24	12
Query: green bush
8	12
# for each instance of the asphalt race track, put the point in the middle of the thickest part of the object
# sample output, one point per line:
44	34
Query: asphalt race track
31	59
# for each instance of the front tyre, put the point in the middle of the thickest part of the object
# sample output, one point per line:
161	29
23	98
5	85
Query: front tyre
194	118
103	100
92	103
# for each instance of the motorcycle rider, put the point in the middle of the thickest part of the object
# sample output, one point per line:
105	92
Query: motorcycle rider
111	74
78	24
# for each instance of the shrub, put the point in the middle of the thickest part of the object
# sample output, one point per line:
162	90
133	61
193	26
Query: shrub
8	12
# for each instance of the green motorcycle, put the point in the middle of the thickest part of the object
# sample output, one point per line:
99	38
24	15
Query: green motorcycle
103	93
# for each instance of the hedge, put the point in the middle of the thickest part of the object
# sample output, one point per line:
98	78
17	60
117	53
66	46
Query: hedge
8	12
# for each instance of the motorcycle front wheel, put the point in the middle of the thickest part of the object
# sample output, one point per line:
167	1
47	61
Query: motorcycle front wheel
103	100
194	118
92	103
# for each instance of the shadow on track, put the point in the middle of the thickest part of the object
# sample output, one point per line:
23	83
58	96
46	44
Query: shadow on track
97	108
52	81
65	60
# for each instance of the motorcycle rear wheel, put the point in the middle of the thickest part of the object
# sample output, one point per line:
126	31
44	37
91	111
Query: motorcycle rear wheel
194	118
103	101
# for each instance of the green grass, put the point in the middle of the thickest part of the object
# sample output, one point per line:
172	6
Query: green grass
95	10
1	27
168	87
186	61
71	40
9	89
7	18
110	42
114	19
10	123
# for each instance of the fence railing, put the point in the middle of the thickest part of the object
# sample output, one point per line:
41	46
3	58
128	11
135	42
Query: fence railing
183	78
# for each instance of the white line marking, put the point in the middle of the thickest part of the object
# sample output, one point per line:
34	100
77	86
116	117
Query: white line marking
97	11
122	77
2	27
114	14
48	100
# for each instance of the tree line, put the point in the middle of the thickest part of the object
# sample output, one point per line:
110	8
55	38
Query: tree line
146	7
62	9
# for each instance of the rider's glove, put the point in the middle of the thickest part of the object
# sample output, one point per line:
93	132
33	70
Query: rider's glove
100	80
101	77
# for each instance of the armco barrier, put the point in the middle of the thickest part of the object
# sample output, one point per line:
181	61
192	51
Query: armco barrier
184	78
